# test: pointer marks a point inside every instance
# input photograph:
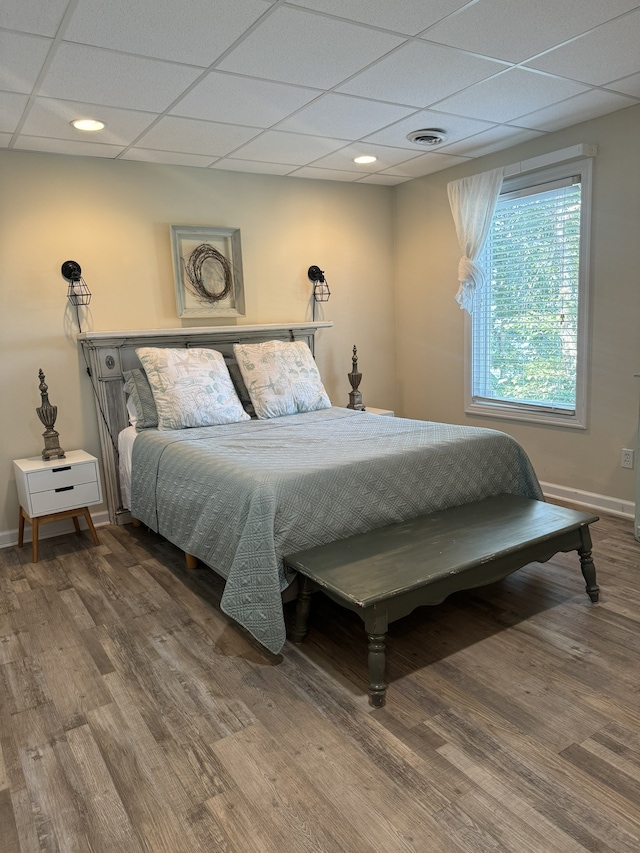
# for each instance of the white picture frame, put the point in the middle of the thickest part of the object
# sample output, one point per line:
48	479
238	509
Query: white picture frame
207	266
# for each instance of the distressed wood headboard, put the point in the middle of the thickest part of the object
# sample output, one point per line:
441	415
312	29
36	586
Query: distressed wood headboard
108	354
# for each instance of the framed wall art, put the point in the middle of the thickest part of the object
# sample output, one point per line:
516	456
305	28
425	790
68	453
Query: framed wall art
207	265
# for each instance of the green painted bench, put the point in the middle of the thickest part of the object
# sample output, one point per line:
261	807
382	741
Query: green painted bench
386	573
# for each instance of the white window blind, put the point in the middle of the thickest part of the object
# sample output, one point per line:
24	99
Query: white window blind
526	323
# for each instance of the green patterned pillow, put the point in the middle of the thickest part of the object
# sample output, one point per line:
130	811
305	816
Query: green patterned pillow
281	378
140	394
191	387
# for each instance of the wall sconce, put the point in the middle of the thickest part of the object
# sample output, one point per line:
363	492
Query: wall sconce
321	292
78	293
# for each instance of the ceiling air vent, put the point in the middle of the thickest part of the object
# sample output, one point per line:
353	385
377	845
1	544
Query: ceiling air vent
428	137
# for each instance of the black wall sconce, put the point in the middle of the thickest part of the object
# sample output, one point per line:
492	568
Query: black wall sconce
77	293
321	292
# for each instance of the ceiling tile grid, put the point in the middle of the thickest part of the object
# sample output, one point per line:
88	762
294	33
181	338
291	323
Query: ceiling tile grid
301	88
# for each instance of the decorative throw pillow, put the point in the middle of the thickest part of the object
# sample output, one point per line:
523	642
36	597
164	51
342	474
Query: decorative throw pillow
281	378
137	387
191	387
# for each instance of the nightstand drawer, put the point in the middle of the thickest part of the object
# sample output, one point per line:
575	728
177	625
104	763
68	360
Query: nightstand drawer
61	476
65	497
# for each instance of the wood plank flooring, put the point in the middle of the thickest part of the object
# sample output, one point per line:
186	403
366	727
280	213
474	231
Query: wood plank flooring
135	716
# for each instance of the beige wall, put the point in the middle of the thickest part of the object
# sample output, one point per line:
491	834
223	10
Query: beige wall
113	218
430	323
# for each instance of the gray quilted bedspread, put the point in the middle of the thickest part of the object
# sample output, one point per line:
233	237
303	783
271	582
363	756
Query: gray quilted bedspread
240	496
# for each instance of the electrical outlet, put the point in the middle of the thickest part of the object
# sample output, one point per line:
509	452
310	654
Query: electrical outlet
627	458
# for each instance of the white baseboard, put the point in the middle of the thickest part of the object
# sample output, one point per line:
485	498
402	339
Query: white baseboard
605	503
54	528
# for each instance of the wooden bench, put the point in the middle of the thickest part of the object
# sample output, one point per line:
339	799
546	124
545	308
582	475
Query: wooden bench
386	573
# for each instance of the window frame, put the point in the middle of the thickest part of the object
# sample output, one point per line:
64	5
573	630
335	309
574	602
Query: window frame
532	413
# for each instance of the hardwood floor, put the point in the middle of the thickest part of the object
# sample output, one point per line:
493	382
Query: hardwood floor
135	716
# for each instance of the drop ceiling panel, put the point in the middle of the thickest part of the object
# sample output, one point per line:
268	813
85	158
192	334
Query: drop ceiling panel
455	128
383	180
11	109
274	146
517	29
387	157
169	158
308	49
418	74
492	100
583	107
242	100
628	85
22	59
403	16
51	117
68	146
230	165
97	76
343	116
608	53
491	140
195	32
32	16
195	137
324	174
426	165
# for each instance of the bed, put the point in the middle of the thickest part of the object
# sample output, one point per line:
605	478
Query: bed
239	496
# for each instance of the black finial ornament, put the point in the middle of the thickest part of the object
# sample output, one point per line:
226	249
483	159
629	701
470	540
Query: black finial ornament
355	396
47	414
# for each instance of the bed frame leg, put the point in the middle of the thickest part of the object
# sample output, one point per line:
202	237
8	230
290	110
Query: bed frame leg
191	561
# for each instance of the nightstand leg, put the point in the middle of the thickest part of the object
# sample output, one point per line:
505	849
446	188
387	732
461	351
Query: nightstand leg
34	544
21	528
92	529
76	523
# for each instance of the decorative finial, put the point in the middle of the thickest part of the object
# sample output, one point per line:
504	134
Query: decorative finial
355	396
47	414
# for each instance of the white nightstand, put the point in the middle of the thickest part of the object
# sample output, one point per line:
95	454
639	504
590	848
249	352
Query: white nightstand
56	489
373	411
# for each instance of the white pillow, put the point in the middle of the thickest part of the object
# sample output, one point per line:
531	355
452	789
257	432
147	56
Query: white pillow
132	412
191	387
281	378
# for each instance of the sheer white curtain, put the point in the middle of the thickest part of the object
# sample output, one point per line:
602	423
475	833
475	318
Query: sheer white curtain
473	201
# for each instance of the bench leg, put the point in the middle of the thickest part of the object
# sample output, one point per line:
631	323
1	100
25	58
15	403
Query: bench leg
302	612
587	565
377	687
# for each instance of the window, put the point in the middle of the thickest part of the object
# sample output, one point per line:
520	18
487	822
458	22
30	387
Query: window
527	353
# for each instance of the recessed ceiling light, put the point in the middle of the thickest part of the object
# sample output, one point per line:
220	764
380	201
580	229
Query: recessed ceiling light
428	137
366	158
88	124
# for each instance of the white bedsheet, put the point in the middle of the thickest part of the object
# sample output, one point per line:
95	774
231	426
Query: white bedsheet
125	448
